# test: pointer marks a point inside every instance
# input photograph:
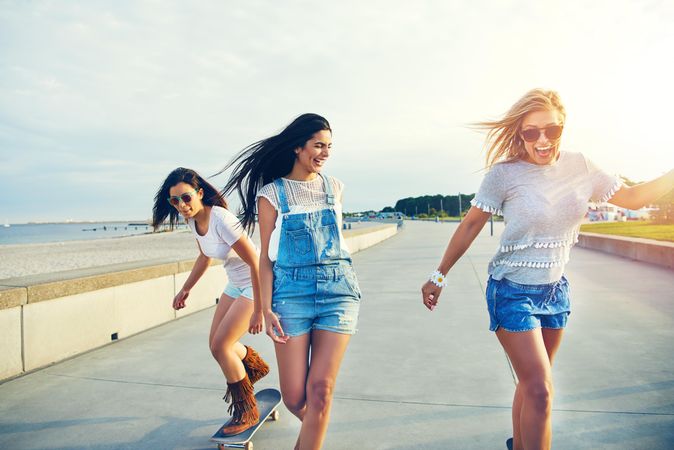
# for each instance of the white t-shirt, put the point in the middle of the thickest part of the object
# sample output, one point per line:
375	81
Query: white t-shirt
303	196
542	206
224	229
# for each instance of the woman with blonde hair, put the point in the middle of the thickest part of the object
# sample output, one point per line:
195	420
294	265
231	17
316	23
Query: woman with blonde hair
542	193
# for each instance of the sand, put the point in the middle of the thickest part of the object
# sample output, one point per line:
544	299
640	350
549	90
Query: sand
19	260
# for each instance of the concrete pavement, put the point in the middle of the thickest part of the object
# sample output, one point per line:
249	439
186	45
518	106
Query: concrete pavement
411	379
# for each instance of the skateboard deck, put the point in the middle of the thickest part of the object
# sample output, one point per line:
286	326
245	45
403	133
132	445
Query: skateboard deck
267	402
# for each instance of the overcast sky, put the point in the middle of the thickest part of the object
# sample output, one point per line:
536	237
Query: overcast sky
100	100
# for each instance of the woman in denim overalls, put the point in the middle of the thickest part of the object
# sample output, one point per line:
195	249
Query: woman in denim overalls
310	295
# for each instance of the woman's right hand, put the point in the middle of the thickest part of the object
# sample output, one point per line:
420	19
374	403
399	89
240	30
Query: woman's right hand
429	294
179	299
256	324
273	328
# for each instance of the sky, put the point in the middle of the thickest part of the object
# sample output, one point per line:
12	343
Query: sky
100	100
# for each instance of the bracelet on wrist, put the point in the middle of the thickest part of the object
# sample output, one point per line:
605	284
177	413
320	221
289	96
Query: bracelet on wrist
438	279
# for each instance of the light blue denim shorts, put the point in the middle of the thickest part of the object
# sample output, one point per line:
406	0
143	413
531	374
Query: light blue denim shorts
236	292
320	297
523	307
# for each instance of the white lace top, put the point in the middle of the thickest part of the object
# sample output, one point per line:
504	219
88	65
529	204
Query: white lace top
302	196
542	207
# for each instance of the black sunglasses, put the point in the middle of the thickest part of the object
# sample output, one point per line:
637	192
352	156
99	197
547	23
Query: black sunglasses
552	132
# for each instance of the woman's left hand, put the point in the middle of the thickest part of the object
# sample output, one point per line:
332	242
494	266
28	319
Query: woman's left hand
256	323
430	293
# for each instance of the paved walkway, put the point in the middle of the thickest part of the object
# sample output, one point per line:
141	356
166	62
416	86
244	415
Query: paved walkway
411	379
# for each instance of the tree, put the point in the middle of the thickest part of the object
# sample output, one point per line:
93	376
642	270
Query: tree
665	212
447	203
627	181
388	209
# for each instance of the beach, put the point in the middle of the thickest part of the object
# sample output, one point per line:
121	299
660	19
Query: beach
20	260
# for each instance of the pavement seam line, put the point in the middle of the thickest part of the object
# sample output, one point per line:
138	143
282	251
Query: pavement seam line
373	400
142	383
458	405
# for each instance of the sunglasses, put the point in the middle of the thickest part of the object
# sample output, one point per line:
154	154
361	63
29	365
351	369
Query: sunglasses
185	197
552	132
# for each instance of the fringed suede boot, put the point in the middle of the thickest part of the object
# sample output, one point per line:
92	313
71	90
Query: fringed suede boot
255	366
243	408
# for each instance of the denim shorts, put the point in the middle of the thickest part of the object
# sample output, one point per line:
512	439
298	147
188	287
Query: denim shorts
236	292
523	307
318	297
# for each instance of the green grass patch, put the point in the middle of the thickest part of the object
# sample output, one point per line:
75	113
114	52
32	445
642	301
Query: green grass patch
639	229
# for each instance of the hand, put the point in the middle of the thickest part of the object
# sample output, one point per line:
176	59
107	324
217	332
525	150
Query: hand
430	294
256	323
274	330
179	299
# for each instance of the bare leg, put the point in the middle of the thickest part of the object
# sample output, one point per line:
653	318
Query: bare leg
552	338
529	358
327	351
293	365
230	322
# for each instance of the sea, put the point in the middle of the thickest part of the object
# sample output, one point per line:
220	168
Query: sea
35	233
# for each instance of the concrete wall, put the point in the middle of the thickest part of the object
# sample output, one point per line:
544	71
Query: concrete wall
10	342
646	250
62	327
47	318
363	238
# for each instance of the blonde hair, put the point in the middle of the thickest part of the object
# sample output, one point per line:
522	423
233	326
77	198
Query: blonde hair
503	141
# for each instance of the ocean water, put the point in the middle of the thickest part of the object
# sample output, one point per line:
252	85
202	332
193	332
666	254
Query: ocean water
33	233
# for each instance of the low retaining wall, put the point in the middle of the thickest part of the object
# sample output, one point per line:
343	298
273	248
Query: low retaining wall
646	250
48	318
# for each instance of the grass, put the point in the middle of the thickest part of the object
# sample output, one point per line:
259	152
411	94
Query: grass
639	229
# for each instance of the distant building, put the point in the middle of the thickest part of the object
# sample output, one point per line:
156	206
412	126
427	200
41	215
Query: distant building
606	212
390	215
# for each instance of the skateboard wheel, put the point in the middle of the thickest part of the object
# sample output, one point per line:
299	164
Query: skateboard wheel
249	446
275	415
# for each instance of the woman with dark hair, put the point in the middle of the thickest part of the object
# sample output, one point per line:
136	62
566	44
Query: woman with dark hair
310	295
219	234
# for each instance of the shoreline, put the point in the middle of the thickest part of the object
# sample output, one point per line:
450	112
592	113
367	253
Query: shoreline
27	234
21	260
79	222
80	241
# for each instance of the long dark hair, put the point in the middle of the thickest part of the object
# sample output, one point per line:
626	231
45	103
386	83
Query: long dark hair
266	160
162	208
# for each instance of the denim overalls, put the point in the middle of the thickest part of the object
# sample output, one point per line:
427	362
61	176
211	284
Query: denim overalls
315	286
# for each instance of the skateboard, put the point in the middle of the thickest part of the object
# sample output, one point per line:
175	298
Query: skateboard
267	402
